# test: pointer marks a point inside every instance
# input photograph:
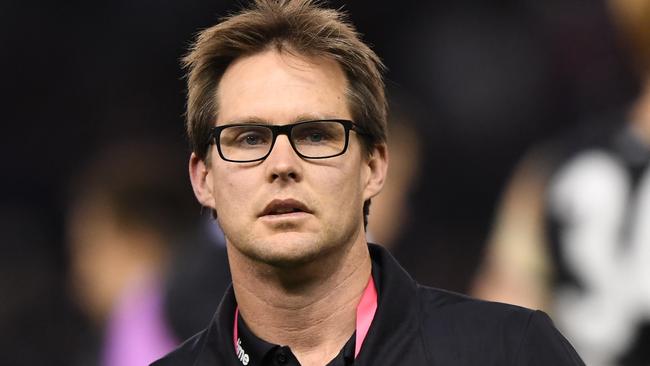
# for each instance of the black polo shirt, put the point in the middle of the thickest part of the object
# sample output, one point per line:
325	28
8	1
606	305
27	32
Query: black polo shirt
413	325
258	352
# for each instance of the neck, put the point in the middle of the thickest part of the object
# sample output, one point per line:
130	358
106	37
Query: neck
641	113
311	308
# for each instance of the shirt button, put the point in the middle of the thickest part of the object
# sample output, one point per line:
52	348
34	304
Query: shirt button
281	357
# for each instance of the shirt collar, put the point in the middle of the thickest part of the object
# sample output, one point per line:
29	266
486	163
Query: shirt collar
253	348
392	321
255	351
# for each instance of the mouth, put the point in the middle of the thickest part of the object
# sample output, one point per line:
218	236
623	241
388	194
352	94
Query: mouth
283	208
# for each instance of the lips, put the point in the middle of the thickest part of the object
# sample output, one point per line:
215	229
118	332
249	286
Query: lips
283	207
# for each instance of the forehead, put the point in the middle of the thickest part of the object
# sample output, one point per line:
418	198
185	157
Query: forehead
279	87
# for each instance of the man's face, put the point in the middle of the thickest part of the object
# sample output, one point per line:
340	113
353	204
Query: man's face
254	201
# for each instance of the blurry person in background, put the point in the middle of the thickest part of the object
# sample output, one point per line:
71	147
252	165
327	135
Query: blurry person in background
572	235
126	211
286	115
392	209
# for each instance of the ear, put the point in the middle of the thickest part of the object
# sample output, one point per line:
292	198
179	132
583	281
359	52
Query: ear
377	166
201	177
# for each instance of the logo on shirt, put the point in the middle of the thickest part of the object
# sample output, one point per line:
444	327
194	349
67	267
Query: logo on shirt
241	354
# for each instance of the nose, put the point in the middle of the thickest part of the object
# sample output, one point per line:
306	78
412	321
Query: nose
283	163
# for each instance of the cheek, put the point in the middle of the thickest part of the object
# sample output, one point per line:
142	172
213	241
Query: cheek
231	190
342	190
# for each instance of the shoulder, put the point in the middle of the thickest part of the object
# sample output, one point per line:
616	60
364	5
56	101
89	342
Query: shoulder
186	354
490	332
444	312
442	303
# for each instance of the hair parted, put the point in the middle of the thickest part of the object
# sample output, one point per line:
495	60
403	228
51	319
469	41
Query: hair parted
300	27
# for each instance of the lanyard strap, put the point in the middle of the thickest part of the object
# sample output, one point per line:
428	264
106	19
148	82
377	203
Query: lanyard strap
365	313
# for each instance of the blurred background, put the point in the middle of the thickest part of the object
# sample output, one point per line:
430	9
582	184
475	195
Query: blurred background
106	258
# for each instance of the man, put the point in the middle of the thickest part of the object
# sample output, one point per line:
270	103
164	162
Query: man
287	119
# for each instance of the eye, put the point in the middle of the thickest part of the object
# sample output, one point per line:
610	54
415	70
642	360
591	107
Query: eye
312	135
252	139
250	136
315	136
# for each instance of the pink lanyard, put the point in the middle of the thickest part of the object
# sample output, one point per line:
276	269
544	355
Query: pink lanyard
365	313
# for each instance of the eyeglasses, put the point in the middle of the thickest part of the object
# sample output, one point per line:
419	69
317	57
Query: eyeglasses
318	139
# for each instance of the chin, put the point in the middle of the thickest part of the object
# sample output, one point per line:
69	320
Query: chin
287	250
292	250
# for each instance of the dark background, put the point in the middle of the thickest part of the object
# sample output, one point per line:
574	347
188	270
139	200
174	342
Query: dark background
486	79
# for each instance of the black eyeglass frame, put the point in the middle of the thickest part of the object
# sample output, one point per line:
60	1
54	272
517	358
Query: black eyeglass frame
276	130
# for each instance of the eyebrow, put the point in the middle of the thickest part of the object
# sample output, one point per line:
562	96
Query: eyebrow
248	120
300	118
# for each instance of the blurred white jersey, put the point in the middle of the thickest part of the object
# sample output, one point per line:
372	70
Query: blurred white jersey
598	210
